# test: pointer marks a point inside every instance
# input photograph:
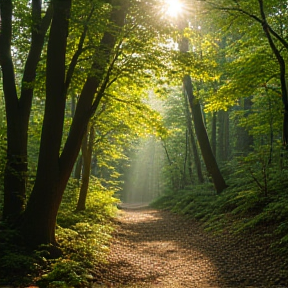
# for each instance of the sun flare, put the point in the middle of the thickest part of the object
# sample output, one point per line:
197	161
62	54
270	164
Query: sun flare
174	7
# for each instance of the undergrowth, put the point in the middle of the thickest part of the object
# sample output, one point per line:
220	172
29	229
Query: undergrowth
83	238
242	207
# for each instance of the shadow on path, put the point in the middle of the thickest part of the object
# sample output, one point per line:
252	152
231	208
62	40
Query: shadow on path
159	249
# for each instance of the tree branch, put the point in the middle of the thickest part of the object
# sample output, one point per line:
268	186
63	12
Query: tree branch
39	30
259	20
9	85
78	52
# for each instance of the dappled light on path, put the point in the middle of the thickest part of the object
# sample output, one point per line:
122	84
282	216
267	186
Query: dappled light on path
153	249
159	249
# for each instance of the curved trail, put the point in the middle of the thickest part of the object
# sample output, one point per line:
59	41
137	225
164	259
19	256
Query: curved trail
154	248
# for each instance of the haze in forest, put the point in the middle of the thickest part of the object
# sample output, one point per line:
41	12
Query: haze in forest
182	105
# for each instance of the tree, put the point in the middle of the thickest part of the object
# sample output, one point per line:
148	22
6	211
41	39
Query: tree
18	109
193	142
214	133
53	170
209	158
117	46
270	17
224	136
87	149
200	129
244	141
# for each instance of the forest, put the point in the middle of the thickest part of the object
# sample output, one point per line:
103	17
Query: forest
180	105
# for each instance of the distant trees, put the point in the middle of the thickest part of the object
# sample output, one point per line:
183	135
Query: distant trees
277	39
236	66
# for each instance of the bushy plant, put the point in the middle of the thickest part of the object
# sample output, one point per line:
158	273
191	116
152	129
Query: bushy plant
251	201
65	273
83	237
18	266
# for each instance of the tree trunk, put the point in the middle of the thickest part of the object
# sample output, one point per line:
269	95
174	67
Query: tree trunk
39	219
214	133
78	167
227	148
185	159
244	140
87	149
282	67
193	142
203	139
223	136
18	110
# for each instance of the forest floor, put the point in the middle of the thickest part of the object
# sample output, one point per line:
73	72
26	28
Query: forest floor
153	248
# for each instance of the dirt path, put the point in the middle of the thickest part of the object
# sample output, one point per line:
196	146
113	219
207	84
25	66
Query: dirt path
159	249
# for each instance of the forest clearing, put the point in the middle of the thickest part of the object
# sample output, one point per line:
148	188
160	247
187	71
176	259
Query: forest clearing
179	104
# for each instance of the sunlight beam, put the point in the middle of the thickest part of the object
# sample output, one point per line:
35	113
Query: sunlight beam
174	8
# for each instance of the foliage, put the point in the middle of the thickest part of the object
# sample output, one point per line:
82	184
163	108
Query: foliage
18	265
189	201
229	59
65	273
83	239
240	208
100	204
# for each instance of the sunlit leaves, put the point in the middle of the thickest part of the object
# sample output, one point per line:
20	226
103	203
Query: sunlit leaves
246	62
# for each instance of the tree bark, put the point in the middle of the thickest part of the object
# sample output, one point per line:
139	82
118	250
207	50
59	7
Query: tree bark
185	159
214	133
39	219
193	142
87	149
18	110
209	159
244	141
78	167
223	136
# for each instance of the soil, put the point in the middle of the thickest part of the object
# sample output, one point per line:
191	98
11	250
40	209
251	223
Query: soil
152	248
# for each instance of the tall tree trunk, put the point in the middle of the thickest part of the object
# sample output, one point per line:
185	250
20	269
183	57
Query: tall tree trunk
78	167
193	142
227	148
282	65
203	139
87	149
18	110
244	140
223	136
39	219
185	159
214	133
